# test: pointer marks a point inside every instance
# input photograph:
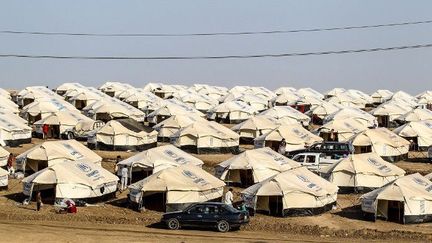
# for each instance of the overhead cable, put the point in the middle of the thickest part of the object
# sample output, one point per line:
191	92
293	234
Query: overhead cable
333	52
214	33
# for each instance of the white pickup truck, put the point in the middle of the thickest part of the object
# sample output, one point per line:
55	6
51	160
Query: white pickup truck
315	162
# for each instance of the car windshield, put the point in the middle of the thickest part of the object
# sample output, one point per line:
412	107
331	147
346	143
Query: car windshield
231	209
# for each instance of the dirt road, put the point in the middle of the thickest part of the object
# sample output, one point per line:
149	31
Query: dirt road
46	231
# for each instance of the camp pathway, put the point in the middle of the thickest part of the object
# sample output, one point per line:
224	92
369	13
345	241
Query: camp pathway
50	231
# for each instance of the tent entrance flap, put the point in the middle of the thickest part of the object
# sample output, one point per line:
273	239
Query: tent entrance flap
246	178
362	149
383	121
54	131
139	174
80	104
48	193
155	201
274	145
275	205
396	211
391	210
242	177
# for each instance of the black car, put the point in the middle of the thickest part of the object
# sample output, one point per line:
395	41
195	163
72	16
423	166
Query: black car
334	150
208	215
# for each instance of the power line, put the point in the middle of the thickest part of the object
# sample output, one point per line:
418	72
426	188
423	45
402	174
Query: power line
218	57
215	33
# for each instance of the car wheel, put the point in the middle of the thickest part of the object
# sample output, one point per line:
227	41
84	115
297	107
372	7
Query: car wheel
173	224
223	226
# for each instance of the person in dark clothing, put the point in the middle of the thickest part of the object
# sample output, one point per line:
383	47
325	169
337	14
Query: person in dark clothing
38	201
118	159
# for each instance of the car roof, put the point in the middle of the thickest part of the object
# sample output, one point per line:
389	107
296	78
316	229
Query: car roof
332	142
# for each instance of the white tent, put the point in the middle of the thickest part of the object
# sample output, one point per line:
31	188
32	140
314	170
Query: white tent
9	105
344	129
14	133
85	97
151	87
65	87
156	159
32	93
388	112
166	91
334	92
319	112
214	92
144	100
287	113
52	152
255	127
294	192
405	200
12	117
113	89
170	108
61	124
382	141
167	128
74	180
261	92
417	114
175	188
362	95
118	135
403	96
351	112
253	166
296	138
381	96
196	100
4	178
110	108
44	107
420	132
206	137
255	101
4	155
286	99
231	112
346	99
362	172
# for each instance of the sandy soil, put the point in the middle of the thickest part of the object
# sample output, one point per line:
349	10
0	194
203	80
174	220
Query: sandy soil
113	221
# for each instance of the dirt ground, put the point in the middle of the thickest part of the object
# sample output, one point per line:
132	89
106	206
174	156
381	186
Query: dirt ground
113	221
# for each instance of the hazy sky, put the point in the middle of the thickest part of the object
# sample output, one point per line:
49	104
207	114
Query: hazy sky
409	70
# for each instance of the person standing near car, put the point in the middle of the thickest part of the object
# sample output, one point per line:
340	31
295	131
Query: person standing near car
45	129
118	159
10	162
282	147
229	198
332	136
124	177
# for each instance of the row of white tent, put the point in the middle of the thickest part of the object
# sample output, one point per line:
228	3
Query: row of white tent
278	184
285	115
266	128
